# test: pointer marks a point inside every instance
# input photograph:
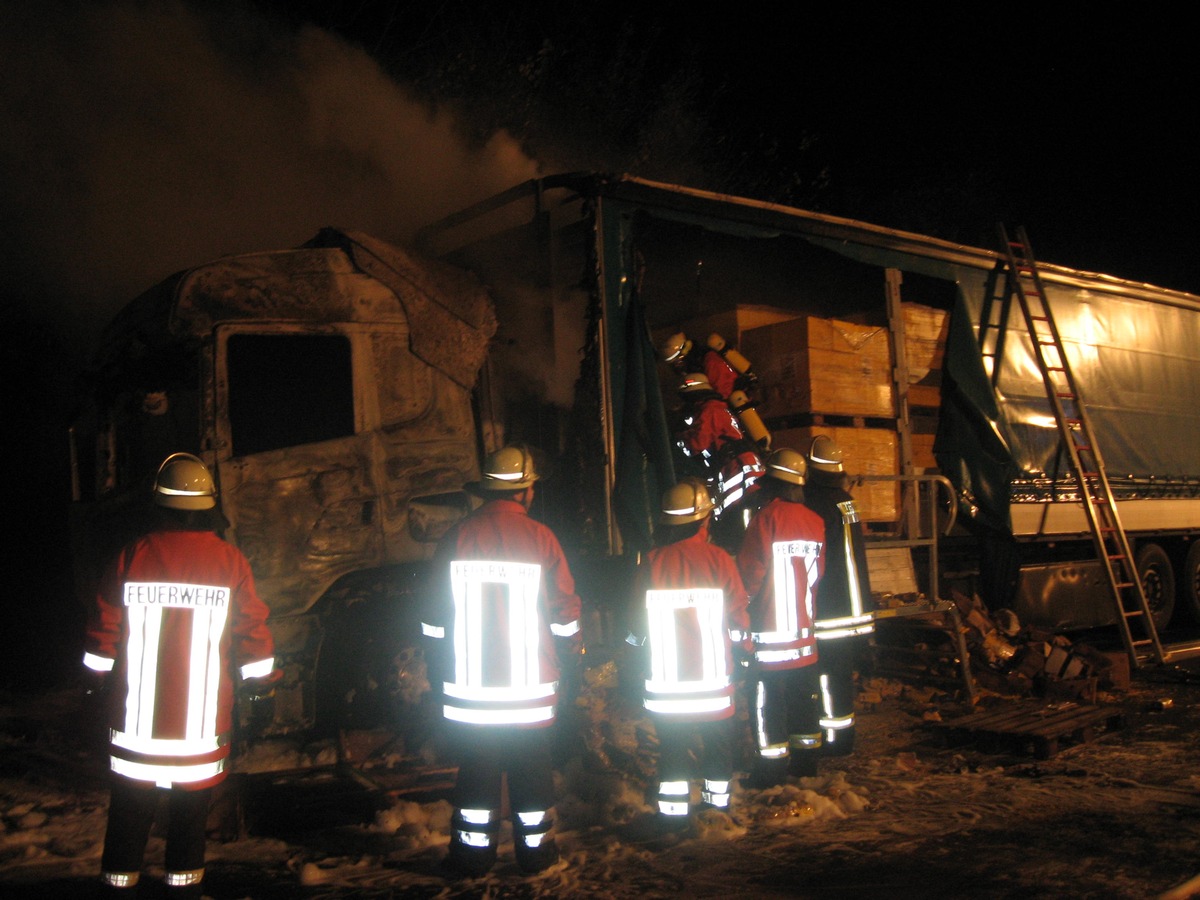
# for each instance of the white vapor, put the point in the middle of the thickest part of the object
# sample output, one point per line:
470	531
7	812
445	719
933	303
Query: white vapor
143	138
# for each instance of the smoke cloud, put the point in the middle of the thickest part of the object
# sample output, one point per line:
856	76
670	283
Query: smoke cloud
143	138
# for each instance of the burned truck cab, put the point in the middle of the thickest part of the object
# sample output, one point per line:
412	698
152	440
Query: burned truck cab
328	388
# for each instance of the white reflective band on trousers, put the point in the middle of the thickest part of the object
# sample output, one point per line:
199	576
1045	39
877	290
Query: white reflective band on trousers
147	606
673	798
475	827
533	827
830	721
183	879
674	687
497	645
731	490
121	879
715	793
766	749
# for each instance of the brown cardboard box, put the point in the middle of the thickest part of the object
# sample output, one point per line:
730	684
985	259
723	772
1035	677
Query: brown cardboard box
925	331
926	395
922	451
867	451
730	324
813	365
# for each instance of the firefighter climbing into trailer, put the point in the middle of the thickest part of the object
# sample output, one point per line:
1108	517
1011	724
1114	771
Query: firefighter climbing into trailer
717	450
729	373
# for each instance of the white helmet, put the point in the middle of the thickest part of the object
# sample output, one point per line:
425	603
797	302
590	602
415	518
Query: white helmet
787	465
825	455
694	382
675	347
184	482
687	501
508	469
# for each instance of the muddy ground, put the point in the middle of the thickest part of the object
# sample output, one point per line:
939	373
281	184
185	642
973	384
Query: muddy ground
919	810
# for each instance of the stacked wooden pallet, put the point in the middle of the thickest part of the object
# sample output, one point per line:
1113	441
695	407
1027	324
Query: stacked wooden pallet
834	377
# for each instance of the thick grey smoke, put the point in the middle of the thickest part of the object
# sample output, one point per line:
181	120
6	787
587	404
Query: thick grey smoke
142	138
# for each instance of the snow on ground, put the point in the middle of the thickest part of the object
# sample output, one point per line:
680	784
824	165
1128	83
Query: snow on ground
905	815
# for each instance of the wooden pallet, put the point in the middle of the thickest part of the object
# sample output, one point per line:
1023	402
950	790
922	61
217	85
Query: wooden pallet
1035	728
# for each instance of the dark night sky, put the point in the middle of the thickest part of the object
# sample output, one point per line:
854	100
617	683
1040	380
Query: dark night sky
142	138
1078	125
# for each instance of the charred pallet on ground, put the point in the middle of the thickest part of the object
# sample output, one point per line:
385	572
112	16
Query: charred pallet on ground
1032	728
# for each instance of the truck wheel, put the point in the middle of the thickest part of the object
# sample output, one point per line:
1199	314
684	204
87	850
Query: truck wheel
1158	583
1191	580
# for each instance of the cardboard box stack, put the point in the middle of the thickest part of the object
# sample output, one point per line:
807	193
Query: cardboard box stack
730	324
825	366
925	346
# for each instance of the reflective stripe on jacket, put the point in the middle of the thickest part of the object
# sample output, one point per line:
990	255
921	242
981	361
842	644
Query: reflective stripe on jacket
176	612
505	606
843	607
781	560
695	607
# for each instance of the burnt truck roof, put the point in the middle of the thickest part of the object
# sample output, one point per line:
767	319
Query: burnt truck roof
856	239
450	315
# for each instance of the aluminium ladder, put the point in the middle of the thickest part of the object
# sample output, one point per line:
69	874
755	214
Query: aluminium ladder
1024	283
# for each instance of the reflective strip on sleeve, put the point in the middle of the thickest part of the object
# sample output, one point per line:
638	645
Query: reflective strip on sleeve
567	630
258	669
98	663
432	631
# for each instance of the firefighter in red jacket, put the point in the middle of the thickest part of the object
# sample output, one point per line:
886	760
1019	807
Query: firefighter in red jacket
505	620
694	608
177	621
781	561
844	618
684	356
722	454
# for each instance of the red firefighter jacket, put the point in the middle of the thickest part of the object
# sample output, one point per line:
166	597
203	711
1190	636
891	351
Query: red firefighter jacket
781	560
695	610
176	612
714	435
504	604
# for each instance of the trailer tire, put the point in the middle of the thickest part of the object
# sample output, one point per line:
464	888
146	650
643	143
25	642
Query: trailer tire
1158	583
1191	580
